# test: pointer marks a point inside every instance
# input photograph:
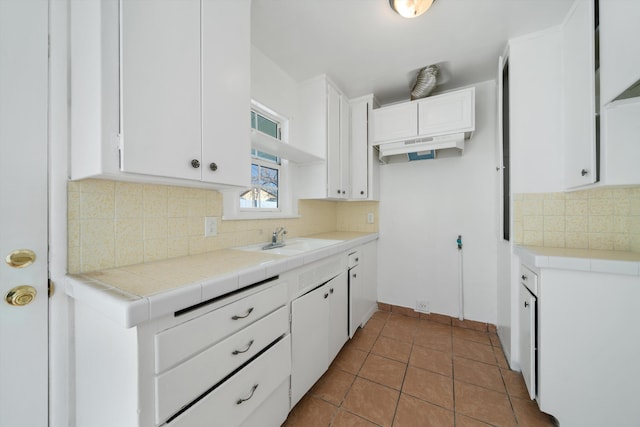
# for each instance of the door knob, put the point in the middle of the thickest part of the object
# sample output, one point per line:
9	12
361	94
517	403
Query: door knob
20	258
20	295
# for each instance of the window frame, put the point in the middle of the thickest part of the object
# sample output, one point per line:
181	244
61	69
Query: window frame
286	206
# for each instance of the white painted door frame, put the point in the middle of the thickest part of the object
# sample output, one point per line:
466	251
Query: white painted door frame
24	210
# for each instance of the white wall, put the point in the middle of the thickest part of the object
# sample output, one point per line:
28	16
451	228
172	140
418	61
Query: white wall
424	206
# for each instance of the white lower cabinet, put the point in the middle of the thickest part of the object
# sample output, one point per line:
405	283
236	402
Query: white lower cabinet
239	360
215	364
586	329
233	402
319	330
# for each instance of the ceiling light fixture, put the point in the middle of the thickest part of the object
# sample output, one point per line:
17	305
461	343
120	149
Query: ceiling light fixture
410	8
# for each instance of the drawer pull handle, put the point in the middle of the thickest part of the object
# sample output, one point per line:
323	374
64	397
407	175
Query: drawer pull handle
236	317
253	390
235	352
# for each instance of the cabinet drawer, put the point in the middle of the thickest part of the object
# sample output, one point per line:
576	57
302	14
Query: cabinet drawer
530	279
182	384
236	399
180	342
354	259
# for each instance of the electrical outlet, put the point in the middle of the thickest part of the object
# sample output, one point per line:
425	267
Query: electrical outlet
370	218
210	226
422	306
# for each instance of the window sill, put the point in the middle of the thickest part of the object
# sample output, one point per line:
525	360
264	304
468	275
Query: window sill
259	215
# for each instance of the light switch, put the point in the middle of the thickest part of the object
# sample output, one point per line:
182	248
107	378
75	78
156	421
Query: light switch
210	226
370	218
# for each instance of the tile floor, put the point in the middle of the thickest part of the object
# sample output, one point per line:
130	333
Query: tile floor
403	371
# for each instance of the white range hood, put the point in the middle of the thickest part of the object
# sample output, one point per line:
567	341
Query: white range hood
434	123
421	145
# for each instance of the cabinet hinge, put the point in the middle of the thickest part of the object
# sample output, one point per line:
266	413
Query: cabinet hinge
51	288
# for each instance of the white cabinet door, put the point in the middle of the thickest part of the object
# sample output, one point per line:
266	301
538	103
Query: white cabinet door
527	309
395	122
359	155
334	134
226	99
619	59
345	147
447	113
356	306
309	338
338	314
620	149
579	96
160	84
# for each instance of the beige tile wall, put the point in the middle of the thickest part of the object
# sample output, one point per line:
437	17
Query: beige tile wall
601	218
113	223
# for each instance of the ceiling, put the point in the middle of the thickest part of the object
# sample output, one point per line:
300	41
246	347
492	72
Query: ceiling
365	47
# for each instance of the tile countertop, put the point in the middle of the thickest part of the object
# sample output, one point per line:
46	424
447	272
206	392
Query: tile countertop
597	261
136	293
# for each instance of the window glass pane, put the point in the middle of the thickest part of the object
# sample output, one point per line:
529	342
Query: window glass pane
268	157
264	193
269	178
267	126
255	170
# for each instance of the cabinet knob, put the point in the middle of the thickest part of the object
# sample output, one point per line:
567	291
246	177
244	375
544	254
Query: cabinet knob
338	191
357	259
524	277
326	295
344	192
584	172
362	192
526	304
213	166
331	290
195	163
355	275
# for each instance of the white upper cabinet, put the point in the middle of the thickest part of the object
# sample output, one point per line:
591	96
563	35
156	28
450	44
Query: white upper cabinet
619	55
362	161
437	115
160	48
451	112
579	92
395	122
161	93
620	148
226	97
323	131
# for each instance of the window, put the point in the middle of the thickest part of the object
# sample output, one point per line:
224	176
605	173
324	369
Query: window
265	168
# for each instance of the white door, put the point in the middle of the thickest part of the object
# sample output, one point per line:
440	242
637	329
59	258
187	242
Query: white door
23	212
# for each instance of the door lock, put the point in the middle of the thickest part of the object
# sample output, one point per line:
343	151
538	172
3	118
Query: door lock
20	295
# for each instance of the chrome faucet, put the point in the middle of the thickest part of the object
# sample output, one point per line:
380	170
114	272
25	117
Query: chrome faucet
277	238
